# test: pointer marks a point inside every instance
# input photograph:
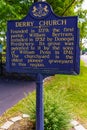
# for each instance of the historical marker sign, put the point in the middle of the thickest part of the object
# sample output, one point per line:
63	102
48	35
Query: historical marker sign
43	43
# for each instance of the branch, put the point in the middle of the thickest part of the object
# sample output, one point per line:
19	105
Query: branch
68	7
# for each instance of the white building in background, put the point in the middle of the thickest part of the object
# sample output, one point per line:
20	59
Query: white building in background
84	5
84	41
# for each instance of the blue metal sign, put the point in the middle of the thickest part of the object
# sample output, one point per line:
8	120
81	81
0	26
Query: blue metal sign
43	43
1	48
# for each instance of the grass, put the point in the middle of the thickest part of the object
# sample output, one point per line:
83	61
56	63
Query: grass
73	87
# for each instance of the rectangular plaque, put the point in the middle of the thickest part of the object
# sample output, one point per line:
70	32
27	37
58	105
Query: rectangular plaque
43	43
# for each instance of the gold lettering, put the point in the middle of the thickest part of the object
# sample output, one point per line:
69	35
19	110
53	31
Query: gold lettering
52	22
68	29
68	52
17	36
56	47
61	61
36	65
37	56
45	52
24	24
17	60
43	30
37	35
19	40
27	52
40	39
19	31
69	43
67	48
53	43
46	48
22	64
14	56
49	39
55	30
34	60
68	39
62	34
69	57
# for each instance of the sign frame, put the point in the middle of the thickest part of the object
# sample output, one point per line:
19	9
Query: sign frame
41	12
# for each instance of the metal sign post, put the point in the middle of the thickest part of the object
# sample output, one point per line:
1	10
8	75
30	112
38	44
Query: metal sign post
39	100
43	44
39	103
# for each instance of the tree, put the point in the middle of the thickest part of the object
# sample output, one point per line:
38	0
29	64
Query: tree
11	10
64	8
70	8
82	14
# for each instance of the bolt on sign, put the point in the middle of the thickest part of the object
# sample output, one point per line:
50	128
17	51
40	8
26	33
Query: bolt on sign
43	43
